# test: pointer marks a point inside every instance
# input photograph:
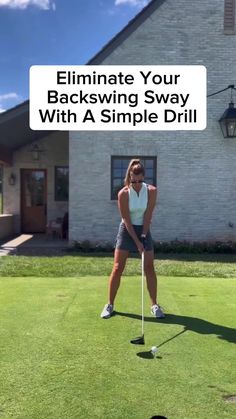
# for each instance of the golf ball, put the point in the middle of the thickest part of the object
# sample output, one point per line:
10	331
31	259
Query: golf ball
154	349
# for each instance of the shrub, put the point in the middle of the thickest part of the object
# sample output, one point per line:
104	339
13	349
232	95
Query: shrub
174	246
86	246
177	246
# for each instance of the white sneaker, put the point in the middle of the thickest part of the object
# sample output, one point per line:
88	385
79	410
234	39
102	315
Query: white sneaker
107	311
157	311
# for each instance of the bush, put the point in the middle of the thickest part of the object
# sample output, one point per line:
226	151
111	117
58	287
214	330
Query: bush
177	246
86	246
174	246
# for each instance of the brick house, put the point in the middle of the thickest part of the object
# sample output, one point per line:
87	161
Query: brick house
194	171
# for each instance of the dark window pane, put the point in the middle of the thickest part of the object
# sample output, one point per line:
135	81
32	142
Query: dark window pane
148	173
117	173
117	182
61	183
123	172
125	163
119	168
115	191
148	164
117	163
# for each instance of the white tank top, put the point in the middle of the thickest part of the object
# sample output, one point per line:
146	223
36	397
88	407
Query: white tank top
138	204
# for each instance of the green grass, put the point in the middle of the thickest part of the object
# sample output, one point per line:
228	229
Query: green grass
218	266
60	360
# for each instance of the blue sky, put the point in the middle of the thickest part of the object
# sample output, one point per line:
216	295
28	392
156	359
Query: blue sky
46	32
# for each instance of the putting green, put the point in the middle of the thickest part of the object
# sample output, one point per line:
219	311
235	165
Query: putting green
60	360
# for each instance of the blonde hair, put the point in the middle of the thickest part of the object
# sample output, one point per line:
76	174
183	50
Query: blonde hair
136	167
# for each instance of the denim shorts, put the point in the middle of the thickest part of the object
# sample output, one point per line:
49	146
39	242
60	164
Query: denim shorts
125	242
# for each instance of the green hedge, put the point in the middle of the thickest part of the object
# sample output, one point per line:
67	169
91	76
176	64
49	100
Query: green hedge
175	246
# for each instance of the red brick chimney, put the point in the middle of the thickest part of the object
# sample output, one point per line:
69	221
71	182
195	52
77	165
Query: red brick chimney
229	17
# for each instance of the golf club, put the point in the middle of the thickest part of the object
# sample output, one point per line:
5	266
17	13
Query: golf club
152	353
140	339
173	337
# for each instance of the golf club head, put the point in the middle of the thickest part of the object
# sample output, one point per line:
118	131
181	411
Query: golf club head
138	341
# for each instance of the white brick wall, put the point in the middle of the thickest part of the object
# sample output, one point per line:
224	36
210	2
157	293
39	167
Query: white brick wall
196	171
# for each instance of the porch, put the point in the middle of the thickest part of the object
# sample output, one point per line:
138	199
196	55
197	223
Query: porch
34	175
37	244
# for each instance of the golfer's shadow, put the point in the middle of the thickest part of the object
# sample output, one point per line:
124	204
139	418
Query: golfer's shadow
190	323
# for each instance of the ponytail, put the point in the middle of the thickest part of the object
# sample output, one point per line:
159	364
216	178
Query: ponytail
136	167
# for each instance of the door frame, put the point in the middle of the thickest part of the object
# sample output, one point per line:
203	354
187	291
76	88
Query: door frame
34	169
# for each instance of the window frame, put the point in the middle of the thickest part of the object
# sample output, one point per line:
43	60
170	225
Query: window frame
128	158
55	182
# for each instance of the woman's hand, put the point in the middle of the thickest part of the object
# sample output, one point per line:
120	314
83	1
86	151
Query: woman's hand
140	247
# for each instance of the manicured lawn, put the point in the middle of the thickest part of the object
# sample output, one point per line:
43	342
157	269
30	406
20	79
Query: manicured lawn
212	266
59	360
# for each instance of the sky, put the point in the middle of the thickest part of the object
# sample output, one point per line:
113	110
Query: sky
58	32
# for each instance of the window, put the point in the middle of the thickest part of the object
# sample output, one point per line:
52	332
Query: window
119	166
61	183
34	188
1	189
229	17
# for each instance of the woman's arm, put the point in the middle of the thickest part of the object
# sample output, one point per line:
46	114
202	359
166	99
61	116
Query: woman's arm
123	204
152	198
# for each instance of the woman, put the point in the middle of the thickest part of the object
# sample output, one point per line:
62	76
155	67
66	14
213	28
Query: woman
136	202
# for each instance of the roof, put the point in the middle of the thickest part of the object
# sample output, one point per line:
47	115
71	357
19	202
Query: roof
14	123
126	32
15	131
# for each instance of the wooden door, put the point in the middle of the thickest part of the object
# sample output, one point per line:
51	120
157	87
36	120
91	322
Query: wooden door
33	200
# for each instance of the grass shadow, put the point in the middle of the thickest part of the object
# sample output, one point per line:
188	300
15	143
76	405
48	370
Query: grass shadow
190	323
197	257
147	355
184	257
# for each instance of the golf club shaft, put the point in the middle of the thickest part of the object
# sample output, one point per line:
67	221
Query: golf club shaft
173	337
142	293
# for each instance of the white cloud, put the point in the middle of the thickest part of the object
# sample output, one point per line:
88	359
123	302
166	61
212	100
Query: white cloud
23	4
140	3
7	96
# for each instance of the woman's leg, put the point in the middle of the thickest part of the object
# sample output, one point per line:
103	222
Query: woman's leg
120	258
150	275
